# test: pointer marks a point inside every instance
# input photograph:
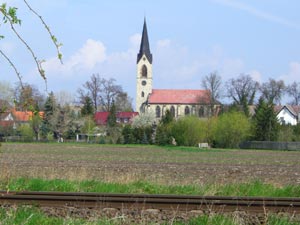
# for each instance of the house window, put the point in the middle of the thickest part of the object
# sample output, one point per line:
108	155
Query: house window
126	120
143	94
187	111
144	71
172	111
201	111
157	110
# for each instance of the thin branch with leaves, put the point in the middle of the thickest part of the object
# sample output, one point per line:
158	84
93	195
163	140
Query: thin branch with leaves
53	38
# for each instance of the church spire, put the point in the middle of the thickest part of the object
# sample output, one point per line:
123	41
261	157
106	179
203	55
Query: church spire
144	48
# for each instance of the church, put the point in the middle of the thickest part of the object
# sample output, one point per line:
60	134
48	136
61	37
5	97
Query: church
180	102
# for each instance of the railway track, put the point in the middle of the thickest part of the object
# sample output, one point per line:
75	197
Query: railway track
162	202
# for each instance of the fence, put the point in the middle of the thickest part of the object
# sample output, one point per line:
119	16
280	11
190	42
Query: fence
271	145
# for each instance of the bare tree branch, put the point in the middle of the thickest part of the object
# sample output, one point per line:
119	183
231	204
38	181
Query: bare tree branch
13	66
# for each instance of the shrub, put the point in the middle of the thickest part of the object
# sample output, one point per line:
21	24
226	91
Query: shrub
190	130
230	129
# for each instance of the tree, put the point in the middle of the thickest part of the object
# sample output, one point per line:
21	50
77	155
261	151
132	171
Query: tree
6	92
242	90
190	130
231	129
35	123
109	92
144	120
49	108
266	126
9	16
64	98
102	92
112	118
272	90
212	83
87	108
293	91
92	89
123	102
28	97
61	122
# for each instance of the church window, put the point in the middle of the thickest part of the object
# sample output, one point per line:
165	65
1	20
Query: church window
143	94
172	111
144	71
201	111
187	111
157	110
193	110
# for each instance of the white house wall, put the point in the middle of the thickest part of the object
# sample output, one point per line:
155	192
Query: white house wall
287	116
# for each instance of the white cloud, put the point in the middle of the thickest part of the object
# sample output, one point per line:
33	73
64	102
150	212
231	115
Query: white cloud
86	58
292	74
164	43
258	13
231	67
256	75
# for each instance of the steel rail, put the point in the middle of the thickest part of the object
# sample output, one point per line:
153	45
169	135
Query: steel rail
146	201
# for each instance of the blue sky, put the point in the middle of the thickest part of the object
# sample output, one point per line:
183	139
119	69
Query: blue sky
188	39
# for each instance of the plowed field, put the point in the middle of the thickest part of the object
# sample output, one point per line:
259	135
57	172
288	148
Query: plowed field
158	165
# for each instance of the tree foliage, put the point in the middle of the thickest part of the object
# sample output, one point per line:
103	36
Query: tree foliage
293	91
272	90
231	129
190	130
87	108
212	83
103	92
9	16
266	126
242	90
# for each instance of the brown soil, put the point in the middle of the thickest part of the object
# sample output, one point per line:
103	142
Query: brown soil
158	165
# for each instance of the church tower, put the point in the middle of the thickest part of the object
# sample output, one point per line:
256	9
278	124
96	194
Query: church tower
144	72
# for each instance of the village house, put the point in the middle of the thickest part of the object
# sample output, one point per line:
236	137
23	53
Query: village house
288	114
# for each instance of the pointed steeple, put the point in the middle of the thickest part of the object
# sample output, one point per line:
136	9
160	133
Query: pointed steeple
145	48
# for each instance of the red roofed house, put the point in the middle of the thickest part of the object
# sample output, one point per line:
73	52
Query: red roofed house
15	118
179	102
121	117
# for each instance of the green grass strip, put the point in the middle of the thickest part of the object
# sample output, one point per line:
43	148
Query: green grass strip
255	188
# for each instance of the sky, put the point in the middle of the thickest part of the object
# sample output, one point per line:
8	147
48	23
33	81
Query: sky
188	40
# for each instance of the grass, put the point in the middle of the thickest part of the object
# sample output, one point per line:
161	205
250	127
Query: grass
255	188
32	216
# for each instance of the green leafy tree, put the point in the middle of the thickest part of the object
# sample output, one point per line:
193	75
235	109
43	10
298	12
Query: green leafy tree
112	118
190	130
35	123
26	132
87	108
231	129
49	108
167	118
163	131
128	135
266	125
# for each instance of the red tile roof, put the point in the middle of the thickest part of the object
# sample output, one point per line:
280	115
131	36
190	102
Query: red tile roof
126	114
179	96
101	117
24	116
